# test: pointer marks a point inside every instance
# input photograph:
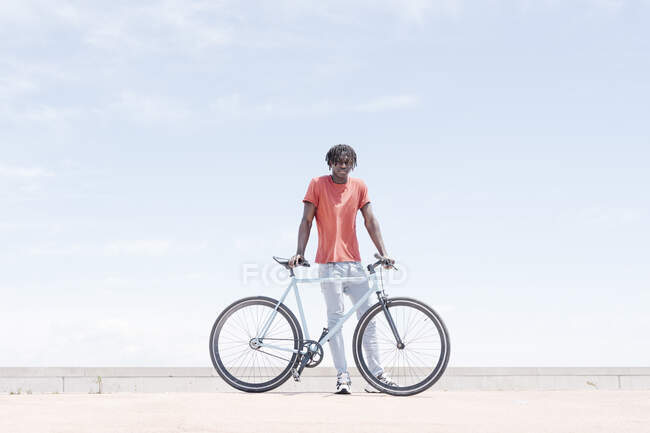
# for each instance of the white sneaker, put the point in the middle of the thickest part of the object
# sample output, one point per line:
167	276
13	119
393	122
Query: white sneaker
386	380
343	383
383	378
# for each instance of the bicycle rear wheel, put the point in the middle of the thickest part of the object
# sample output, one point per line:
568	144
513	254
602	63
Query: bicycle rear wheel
414	367
236	357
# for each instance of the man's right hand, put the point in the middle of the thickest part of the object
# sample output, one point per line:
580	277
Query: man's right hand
296	260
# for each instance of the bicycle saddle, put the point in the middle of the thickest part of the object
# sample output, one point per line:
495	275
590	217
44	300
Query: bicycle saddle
285	262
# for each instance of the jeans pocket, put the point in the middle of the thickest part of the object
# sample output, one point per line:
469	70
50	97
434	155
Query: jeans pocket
357	270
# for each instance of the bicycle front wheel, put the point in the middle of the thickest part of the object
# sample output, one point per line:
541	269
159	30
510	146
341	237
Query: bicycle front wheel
235	350
413	367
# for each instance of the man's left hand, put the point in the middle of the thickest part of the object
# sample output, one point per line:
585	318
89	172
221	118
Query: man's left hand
386	265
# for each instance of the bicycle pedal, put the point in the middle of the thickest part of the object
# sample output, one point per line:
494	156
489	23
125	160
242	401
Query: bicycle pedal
295	374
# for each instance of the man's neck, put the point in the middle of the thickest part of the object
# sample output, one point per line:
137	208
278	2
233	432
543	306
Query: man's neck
337	180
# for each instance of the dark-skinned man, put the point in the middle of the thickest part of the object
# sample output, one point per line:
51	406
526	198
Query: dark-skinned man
335	199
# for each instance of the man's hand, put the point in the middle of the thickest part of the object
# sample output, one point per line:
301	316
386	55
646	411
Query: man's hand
296	260
391	261
387	262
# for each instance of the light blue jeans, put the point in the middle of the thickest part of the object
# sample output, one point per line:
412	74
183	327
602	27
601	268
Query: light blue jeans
333	292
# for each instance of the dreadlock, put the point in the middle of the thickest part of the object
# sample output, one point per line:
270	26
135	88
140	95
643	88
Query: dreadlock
339	152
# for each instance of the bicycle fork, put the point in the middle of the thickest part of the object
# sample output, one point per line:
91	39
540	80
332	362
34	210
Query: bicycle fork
391	323
384	306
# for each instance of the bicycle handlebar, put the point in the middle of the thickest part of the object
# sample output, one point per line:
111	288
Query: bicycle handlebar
382	261
285	262
303	262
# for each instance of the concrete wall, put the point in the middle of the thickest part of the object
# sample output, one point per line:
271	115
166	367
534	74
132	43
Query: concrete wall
321	379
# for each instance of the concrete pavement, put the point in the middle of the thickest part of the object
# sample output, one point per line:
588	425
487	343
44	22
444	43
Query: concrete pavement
449	412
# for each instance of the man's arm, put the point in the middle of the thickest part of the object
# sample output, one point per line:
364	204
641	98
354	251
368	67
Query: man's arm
372	225
303	233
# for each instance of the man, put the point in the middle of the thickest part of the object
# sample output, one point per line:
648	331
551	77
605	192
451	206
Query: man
334	200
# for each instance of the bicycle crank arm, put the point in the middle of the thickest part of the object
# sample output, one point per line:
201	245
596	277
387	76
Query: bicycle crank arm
296	372
303	363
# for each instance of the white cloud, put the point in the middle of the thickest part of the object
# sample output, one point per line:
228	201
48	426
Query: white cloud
606	216
17	12
399	102
236	106
154	27
228	105
147	109
155	109
192	27
138	247
139	108
342	11
118	325
612	5
41	114
191	21
11	86
51	250
22	84
418	11
113	282
22	172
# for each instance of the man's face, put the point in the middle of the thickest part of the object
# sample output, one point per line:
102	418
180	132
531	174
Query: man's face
342	167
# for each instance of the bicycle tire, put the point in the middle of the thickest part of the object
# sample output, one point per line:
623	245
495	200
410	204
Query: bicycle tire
218	352
423	311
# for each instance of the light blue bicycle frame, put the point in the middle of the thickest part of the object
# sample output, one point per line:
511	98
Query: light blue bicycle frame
374	286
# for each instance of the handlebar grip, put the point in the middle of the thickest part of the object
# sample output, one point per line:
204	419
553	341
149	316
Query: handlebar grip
384	261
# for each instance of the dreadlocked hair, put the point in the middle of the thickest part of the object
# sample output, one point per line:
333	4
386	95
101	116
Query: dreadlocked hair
341	151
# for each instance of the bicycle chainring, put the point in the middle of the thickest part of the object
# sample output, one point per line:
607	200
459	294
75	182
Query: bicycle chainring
315	355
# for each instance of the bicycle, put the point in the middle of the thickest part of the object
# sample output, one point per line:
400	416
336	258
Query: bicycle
257	344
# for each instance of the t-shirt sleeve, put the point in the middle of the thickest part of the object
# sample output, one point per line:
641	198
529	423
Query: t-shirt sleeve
312	193
363	195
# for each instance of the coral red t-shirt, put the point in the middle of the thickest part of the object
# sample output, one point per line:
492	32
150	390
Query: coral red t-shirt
336	217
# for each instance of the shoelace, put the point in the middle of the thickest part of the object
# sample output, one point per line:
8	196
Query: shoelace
340	381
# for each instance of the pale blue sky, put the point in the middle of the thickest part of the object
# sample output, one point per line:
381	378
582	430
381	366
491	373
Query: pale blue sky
149	152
